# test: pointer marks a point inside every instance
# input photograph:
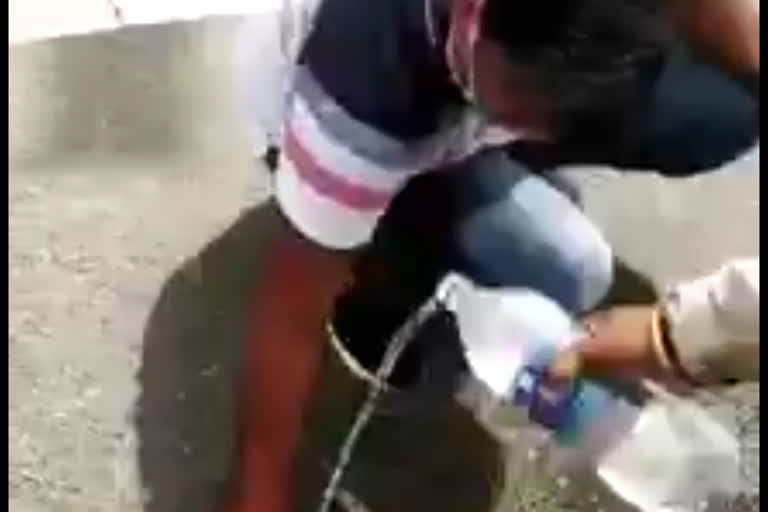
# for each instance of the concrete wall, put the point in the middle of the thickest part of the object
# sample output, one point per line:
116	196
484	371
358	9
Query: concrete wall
128	154
32	20
156	91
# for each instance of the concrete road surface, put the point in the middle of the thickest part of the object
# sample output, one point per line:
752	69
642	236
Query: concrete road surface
129	156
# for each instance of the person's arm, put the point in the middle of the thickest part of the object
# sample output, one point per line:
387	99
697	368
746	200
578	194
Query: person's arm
283	354
727	31
318	221
706	330
336	176
346	151
320	218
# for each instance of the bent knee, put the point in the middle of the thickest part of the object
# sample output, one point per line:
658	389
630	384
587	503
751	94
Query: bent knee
571	263
589	268
532	236
582	260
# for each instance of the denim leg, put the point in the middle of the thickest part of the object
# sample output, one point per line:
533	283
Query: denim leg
488	217
516	229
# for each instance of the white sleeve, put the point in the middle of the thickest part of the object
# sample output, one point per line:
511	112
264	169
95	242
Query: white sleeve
321	214
331	191
714	322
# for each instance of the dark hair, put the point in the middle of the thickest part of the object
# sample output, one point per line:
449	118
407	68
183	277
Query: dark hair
588	56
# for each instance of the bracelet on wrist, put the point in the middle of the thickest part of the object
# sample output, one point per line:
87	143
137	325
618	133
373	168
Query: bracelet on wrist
664	346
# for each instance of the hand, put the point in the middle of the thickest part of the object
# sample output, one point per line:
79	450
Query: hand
619	344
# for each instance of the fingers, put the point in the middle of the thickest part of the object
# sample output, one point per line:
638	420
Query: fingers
616	344
566	366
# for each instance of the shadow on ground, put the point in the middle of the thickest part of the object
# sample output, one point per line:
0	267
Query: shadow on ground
190	368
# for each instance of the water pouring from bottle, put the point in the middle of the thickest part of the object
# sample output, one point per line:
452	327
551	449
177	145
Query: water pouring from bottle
664	455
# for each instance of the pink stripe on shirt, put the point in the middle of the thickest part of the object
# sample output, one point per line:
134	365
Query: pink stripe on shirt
330	184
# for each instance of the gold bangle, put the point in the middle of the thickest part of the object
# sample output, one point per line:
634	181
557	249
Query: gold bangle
664	349
657	342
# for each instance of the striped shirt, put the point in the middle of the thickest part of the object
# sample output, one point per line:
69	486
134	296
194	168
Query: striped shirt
370	103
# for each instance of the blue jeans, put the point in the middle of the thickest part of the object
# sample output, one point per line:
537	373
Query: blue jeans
492	219
521	230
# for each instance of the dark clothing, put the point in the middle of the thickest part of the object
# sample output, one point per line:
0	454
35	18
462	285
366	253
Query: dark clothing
377	60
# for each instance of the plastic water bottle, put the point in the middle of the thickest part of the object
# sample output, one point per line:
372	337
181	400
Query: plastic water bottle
510	338
664	455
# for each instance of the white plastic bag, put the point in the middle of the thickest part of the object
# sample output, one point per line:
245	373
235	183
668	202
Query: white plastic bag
674	458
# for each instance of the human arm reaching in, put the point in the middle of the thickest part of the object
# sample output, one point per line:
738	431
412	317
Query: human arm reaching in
706	330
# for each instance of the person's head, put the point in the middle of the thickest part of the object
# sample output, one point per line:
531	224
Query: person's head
546	65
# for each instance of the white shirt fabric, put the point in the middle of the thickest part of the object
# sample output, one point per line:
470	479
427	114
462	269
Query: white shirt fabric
715	322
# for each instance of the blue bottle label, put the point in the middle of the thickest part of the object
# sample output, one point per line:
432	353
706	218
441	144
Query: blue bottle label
563	407
548	403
